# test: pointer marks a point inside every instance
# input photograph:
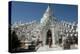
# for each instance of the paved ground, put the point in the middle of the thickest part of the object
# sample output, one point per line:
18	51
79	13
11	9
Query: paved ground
46	48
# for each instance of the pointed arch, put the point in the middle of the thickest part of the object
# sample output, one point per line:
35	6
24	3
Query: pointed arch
49	37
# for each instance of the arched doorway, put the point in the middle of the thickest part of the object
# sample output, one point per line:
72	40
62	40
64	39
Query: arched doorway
49	37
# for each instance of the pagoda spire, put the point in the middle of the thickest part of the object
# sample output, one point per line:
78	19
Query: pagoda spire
48	8
48	11
47	15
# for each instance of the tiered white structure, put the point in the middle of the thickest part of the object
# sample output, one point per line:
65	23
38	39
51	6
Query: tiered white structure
48	22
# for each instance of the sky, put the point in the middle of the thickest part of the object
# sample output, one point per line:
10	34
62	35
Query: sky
28	11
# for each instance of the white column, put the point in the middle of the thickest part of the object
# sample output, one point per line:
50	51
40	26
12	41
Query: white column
45	36
53	37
